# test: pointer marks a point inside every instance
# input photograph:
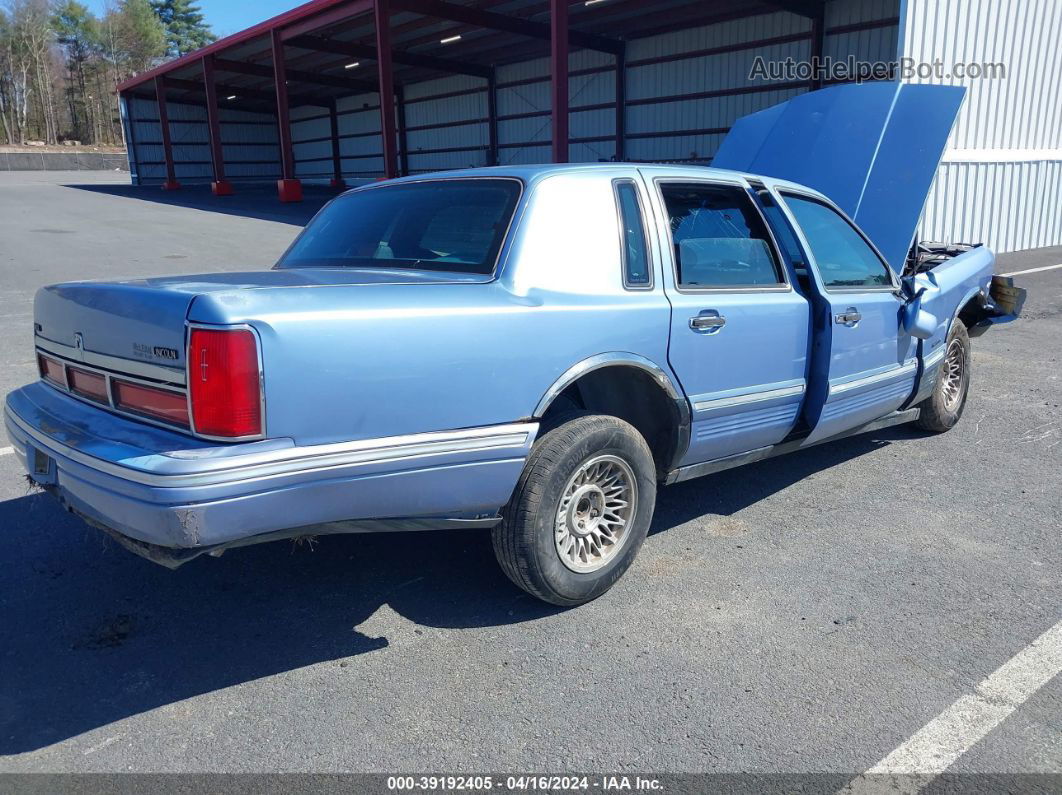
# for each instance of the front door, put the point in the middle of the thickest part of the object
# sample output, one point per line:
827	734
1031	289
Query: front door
864	364
739	332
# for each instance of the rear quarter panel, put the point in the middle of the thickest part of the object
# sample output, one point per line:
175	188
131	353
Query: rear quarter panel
368	361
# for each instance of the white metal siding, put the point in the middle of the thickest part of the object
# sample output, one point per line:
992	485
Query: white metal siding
1001	180
249	143
1008	206
515	136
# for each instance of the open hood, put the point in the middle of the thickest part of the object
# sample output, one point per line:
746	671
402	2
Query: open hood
872	148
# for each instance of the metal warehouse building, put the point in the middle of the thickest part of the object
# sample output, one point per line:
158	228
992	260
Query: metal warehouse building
361	89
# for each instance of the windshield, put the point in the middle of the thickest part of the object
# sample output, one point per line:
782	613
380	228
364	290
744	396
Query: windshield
446	225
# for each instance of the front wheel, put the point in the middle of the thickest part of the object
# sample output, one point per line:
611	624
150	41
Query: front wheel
942	410
580	511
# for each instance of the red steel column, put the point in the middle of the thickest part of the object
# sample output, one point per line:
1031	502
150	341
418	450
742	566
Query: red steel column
288	188
818	45
403	143
220	186
387	87
492	118
621	105
337	160
558	16
171	182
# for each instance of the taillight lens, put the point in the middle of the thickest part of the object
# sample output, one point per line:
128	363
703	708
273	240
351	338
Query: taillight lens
224	382
51	370
90	385
159	404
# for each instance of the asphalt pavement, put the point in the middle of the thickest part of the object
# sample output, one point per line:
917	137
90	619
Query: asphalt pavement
806	614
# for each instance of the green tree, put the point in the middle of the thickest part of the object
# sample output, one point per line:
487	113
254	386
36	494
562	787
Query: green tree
78	32
8	82
186	29
135	38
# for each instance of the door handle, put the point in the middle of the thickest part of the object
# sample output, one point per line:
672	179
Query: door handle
849	317
709	323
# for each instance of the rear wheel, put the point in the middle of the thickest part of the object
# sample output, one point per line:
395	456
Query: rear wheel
580	511
942	410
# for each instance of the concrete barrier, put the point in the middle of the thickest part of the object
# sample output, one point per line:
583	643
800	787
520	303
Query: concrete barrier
63	161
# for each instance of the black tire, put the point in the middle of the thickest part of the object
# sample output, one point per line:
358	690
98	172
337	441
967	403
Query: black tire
525	542
942	410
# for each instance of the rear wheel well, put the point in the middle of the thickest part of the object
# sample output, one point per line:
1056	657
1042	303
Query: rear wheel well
634	396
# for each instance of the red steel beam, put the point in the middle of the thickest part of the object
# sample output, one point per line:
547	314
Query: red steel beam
805	8
492	118
280	80
171	182
337	160
387	87
818	46
243	92
326	19
288	188
558	11
403	142
356	50
621	105
307	11
220	186
495	21
296	75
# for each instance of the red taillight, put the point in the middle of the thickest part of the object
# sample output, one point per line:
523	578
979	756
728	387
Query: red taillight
156	403
224	382
51	370
90	385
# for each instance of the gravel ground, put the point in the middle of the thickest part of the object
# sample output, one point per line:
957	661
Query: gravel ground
804	614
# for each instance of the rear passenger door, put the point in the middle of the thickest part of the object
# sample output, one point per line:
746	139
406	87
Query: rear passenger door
739	332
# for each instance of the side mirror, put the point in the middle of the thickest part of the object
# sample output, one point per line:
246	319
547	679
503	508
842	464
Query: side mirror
918	322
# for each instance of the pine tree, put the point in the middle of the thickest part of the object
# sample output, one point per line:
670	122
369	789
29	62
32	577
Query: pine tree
186	29
78	31
139	38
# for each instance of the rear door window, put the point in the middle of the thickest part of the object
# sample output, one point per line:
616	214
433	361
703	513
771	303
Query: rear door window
719	237
448	225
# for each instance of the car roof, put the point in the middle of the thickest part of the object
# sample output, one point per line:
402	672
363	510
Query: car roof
535	172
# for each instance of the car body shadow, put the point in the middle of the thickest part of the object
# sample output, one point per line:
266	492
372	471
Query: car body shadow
92	634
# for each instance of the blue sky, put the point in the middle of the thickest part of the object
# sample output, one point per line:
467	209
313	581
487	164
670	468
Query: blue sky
229	16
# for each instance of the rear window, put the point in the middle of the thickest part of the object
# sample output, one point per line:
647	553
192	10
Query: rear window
446	225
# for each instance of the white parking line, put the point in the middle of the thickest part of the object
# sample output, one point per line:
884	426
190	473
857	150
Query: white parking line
1033	270
938	744
6	450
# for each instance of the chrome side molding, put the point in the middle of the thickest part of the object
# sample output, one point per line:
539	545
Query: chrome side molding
752	397
310	458
888	375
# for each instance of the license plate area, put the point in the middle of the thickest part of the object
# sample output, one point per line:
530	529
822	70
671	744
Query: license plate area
42	466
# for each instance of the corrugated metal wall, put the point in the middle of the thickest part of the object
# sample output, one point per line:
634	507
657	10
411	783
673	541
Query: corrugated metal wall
684	90
1001	180
249	141
358	120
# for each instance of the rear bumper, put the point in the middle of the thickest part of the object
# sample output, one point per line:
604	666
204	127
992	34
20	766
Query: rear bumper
166	490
